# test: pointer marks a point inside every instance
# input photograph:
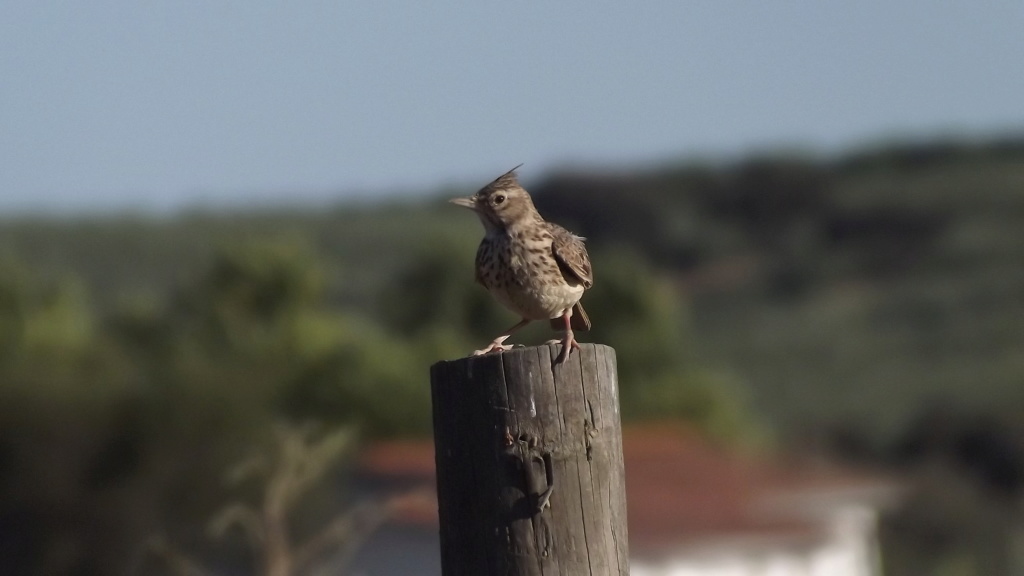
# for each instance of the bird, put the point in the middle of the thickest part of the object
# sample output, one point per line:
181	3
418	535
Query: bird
535	268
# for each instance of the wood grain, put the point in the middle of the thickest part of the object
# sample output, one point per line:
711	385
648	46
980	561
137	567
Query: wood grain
503	425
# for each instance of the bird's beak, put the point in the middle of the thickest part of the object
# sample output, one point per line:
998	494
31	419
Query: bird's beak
465	202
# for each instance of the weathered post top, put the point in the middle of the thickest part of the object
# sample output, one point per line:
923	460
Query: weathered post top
530	477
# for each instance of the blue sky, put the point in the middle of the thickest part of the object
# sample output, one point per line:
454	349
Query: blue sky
164	105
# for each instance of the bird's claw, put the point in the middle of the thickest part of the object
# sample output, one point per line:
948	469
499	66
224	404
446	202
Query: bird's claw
494	347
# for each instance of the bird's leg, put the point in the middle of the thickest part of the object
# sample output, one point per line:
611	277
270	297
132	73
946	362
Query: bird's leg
569	341
497	343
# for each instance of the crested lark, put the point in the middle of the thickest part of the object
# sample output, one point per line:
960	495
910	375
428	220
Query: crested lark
534	268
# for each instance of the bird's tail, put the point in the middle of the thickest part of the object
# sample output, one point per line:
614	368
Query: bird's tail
579	321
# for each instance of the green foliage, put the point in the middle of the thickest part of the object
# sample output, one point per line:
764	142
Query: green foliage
634	310
37	317
127	419
436	291
153	396
641	315
138	355
367	378
258	287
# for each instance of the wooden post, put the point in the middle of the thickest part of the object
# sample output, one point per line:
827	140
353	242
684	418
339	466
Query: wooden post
529	464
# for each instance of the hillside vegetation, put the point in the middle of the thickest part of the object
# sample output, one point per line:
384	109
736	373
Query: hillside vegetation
850	289
870	306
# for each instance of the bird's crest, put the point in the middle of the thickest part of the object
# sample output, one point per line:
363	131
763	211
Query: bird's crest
505	181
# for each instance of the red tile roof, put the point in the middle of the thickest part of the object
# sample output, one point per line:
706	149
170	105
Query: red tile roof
680	487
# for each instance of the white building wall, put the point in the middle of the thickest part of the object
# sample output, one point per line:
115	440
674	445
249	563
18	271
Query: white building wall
848	547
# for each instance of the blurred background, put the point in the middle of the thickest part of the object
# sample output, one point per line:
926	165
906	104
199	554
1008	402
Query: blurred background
226	263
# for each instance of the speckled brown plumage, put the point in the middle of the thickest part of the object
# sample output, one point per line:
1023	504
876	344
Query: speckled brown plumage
534	268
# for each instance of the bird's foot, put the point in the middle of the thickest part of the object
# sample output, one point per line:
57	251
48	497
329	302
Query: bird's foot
569	344
495	346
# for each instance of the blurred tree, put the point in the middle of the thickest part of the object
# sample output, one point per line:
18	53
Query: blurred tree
844	290
13	304
111	431
295	463
61	391
253	297
36	316
642	315
436	291
367	378
633	309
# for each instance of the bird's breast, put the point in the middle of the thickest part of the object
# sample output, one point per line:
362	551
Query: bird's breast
520	271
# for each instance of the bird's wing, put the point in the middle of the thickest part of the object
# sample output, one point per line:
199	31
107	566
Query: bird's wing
571	255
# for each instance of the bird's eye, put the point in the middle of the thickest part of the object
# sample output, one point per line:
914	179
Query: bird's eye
499	198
